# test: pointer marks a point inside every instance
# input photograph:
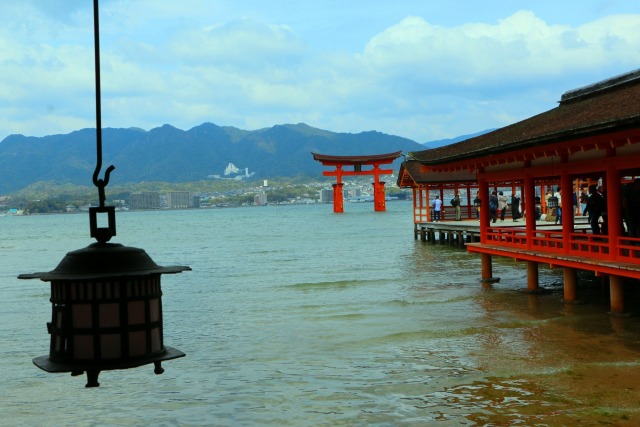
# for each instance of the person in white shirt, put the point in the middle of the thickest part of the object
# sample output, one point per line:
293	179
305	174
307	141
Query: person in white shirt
437	208
502	205
558	195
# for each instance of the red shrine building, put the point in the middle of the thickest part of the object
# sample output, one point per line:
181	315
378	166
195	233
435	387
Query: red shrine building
590	142
352	165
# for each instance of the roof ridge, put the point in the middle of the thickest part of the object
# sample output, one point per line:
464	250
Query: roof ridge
632	77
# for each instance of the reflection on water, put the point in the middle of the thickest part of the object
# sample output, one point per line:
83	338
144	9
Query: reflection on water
299	317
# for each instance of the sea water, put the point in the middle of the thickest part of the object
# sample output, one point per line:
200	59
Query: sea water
296	316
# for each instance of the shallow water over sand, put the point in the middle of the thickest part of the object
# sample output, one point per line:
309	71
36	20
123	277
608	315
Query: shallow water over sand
297	316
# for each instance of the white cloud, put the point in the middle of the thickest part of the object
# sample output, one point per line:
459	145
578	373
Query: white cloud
518	47
186	63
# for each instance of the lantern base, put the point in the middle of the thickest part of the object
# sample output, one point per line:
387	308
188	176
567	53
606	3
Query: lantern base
46	364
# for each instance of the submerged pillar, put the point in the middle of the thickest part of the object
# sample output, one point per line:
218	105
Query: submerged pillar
616	291
532	276
487	269
570	281
379	204
338	198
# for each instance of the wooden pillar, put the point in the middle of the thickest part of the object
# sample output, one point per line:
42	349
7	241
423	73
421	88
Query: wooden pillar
379	204
338	198
485	218
529	197
616	291
532	276
378	190
570	281
427	204
613	226
487	270
567	210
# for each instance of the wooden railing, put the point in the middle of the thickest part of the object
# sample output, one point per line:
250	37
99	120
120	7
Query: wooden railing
628	249
585	244
507	236
589	245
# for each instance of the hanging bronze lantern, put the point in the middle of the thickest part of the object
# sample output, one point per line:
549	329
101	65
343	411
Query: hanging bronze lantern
106	312
552	202
106	298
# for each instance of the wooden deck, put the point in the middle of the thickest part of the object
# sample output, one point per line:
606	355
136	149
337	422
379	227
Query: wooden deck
508	239
459	233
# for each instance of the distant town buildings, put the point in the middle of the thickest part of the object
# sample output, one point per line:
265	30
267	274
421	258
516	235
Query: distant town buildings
260	199
259	194
146	200
326	196
178	200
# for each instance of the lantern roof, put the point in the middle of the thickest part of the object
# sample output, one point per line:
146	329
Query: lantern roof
103	260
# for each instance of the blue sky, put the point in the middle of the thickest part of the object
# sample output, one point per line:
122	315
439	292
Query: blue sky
421	69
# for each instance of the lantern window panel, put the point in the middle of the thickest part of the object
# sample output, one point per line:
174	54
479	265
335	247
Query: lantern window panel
110	346
137	343
137	312
109	315
82	316
83	347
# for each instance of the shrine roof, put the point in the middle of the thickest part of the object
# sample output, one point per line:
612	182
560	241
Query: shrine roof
607	106
361	159
421	174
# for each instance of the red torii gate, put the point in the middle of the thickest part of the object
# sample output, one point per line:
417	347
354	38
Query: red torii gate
357	161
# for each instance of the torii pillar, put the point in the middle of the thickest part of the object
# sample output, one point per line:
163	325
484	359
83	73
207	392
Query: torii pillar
357	162
379	204
338	198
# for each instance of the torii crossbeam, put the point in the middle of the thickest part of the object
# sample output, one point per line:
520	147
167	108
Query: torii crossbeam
357	162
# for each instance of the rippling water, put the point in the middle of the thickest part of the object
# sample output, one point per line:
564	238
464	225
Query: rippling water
295	316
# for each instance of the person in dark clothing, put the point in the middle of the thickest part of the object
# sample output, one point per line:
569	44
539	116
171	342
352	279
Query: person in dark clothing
493	206
631	206
595	208
515	207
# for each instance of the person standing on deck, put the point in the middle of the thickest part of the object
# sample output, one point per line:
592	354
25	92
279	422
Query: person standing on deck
558	195
456	204
595	208
476	203
584	197
493	206
515	207
546	201
437	208
502	205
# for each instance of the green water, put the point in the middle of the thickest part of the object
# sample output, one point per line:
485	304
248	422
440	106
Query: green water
295	316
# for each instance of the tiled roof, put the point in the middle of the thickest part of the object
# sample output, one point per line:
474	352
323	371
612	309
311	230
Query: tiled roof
607	106
356	159
419	175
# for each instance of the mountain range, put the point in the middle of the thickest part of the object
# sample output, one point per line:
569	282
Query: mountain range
169	154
